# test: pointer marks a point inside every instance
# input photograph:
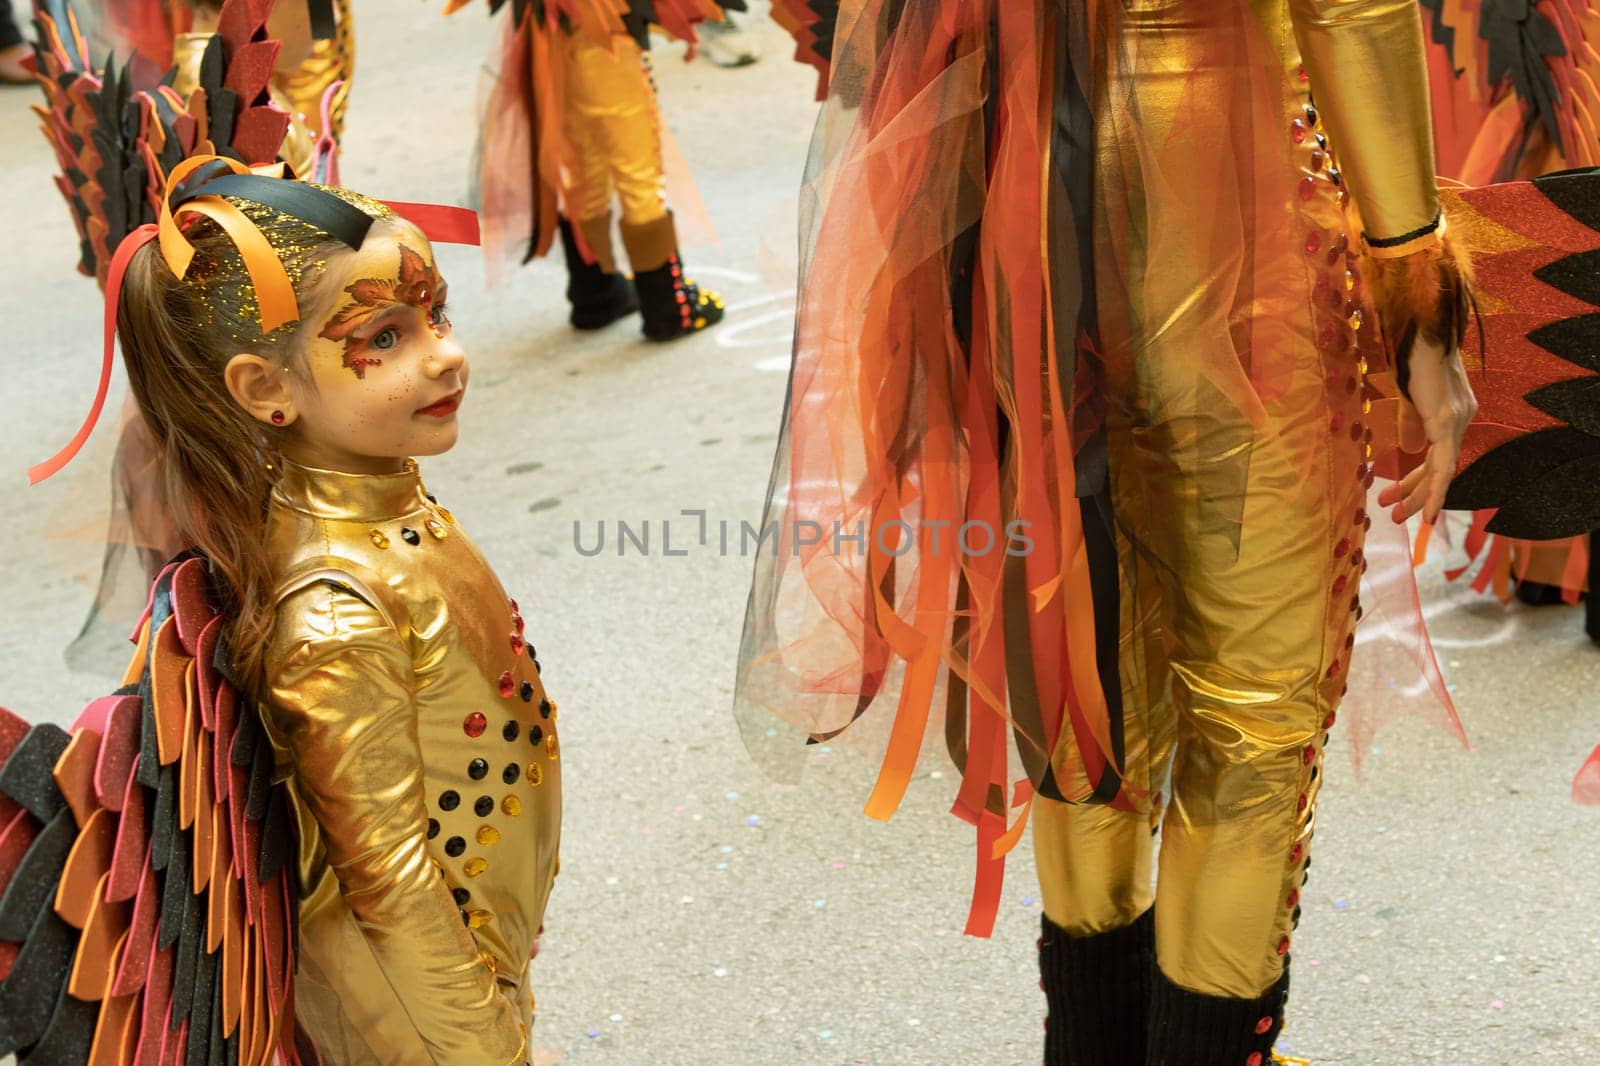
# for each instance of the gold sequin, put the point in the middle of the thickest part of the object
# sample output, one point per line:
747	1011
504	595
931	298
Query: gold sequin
475	867
1366	407
1355	319
444	512
535	775
1362	366
488	834
554	710
551	747
488	959
478	919
437	529
511	805
378	539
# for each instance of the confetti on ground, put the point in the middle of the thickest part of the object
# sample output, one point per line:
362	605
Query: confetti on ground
826	1034
1497	1005
679	809
727	849
1027	901
719	972
754	819
1383	829
1316	962
722	866
616	1017
611	880
730	795
592	1033
1341	905
819	904
686	899
838	865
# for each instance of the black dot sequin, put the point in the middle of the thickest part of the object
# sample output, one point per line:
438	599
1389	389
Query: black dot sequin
433	828
544	708
483	807
526	692
454	847
510	774
410	536
535	735
511	730
462	896
449	801
477	769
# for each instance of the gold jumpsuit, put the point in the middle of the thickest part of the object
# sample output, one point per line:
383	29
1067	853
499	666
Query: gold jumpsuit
408	716
1226	280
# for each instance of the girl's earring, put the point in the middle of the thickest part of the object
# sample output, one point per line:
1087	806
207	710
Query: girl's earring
277	418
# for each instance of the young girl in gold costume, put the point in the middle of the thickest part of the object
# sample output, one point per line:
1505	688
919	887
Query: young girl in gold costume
1109	274
321	819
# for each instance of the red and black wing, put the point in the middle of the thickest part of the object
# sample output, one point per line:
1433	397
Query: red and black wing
146	861
118	131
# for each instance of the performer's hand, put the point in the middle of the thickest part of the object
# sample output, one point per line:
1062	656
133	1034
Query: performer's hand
1442	407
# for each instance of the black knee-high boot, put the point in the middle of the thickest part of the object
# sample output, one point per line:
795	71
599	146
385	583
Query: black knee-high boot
1194	1029
598	294
1098	991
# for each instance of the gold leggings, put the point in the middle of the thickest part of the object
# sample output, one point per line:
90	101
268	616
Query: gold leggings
1238	457
613	124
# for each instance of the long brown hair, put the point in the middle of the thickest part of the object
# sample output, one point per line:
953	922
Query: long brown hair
218	464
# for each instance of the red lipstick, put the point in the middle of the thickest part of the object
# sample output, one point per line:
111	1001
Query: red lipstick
444	407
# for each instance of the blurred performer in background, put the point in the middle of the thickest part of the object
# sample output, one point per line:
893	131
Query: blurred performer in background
1516	94
573	125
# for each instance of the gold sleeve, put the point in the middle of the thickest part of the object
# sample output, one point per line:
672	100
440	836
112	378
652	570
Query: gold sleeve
340	705
1369	80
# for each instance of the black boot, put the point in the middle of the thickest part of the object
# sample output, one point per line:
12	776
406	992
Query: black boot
1098	992
671	304
1194	1029
598	295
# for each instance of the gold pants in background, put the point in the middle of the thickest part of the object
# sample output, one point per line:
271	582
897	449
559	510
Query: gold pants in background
613	124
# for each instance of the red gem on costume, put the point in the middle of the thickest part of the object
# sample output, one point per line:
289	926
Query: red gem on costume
1314	242
1302	803
1294	901
1327	723
1299	850
474	725
1318	157
1263	1025
1333	669
522	626
1339	583
1308	188
1341	549
1361	515
1297	130
1349	642
1283	946
1309	755
516	644
1337	422
507	686
1355	430
1254	1059
1327	336
514	608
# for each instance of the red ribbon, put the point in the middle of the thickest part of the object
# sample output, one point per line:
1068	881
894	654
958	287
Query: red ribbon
119	266
439	223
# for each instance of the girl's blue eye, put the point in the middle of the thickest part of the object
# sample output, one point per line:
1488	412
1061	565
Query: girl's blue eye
387	339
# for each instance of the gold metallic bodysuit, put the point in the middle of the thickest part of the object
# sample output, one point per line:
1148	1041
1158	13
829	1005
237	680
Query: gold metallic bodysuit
1238	452
408	716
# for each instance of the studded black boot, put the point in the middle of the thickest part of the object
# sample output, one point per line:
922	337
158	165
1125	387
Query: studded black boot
1098	992
598	294
671	304
1194	1029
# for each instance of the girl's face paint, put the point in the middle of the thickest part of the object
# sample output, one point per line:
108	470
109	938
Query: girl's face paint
384	375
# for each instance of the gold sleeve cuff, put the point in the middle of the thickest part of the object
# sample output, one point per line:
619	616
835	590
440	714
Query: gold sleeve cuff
1369	80
340	710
